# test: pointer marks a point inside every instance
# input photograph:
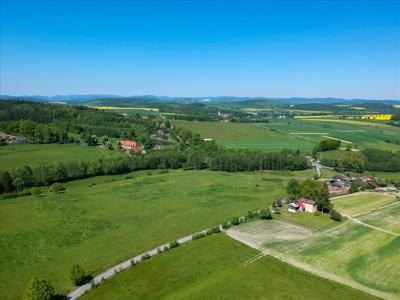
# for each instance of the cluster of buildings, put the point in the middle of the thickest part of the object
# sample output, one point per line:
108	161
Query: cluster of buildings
340	184
131	146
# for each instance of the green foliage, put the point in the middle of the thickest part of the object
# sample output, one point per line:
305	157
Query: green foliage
266	214
35	191
355	186
235	221
199	235
213	230
326	145
293	188
77	275
173	244
318	191
38	289
57	187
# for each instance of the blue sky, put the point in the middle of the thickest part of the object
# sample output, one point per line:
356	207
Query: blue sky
262	48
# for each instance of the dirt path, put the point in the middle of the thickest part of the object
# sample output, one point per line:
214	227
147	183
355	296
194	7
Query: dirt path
308	268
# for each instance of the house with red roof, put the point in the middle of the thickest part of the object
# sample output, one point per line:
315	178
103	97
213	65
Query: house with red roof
130	145
307	205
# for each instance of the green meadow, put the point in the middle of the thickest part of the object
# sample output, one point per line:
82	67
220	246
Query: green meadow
361	203
219	267
101	221
247	136
13	156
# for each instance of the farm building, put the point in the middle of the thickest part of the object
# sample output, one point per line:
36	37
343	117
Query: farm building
130	145
367	179
307	205
303	204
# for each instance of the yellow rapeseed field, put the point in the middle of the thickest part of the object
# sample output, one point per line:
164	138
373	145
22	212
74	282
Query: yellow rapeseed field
377	117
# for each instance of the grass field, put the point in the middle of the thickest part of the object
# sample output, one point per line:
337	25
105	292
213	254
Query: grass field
352	251
317	222
245	135
45	235
218	267
361	203
388	218
13	156
361	133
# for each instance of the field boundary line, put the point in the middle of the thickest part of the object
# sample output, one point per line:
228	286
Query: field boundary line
375	209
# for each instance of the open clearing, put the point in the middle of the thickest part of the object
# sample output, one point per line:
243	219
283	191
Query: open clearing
247	135
361	202
122	217
13	156
353	253
219	267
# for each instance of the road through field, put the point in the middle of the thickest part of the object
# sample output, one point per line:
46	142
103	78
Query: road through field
308	268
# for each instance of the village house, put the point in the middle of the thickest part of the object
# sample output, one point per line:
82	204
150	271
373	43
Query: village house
367	179
303	205
307	205
130	145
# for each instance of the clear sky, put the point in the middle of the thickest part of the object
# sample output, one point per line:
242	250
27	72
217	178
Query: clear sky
204	48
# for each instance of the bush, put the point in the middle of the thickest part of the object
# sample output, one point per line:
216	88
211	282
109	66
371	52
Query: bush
159	250
77	275
213	230
133	262
335	215
199	235
250	214
129	177
57	187
226	225
235	221
163	171
317	213
35	191
165	249
38	289
266	214
174	244
146	256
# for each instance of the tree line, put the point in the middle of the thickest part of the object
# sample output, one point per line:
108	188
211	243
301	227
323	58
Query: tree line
232	161
368	159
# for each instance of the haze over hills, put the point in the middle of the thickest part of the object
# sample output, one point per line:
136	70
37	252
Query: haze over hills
84	98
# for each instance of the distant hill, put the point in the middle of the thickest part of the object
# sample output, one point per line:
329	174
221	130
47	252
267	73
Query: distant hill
93	98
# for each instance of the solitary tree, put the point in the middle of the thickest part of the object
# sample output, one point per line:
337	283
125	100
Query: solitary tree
38	289
77	274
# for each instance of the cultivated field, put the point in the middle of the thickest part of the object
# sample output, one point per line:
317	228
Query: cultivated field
352	252
361	203
45	235
388	218
362	133
13	156
218	267
246	135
